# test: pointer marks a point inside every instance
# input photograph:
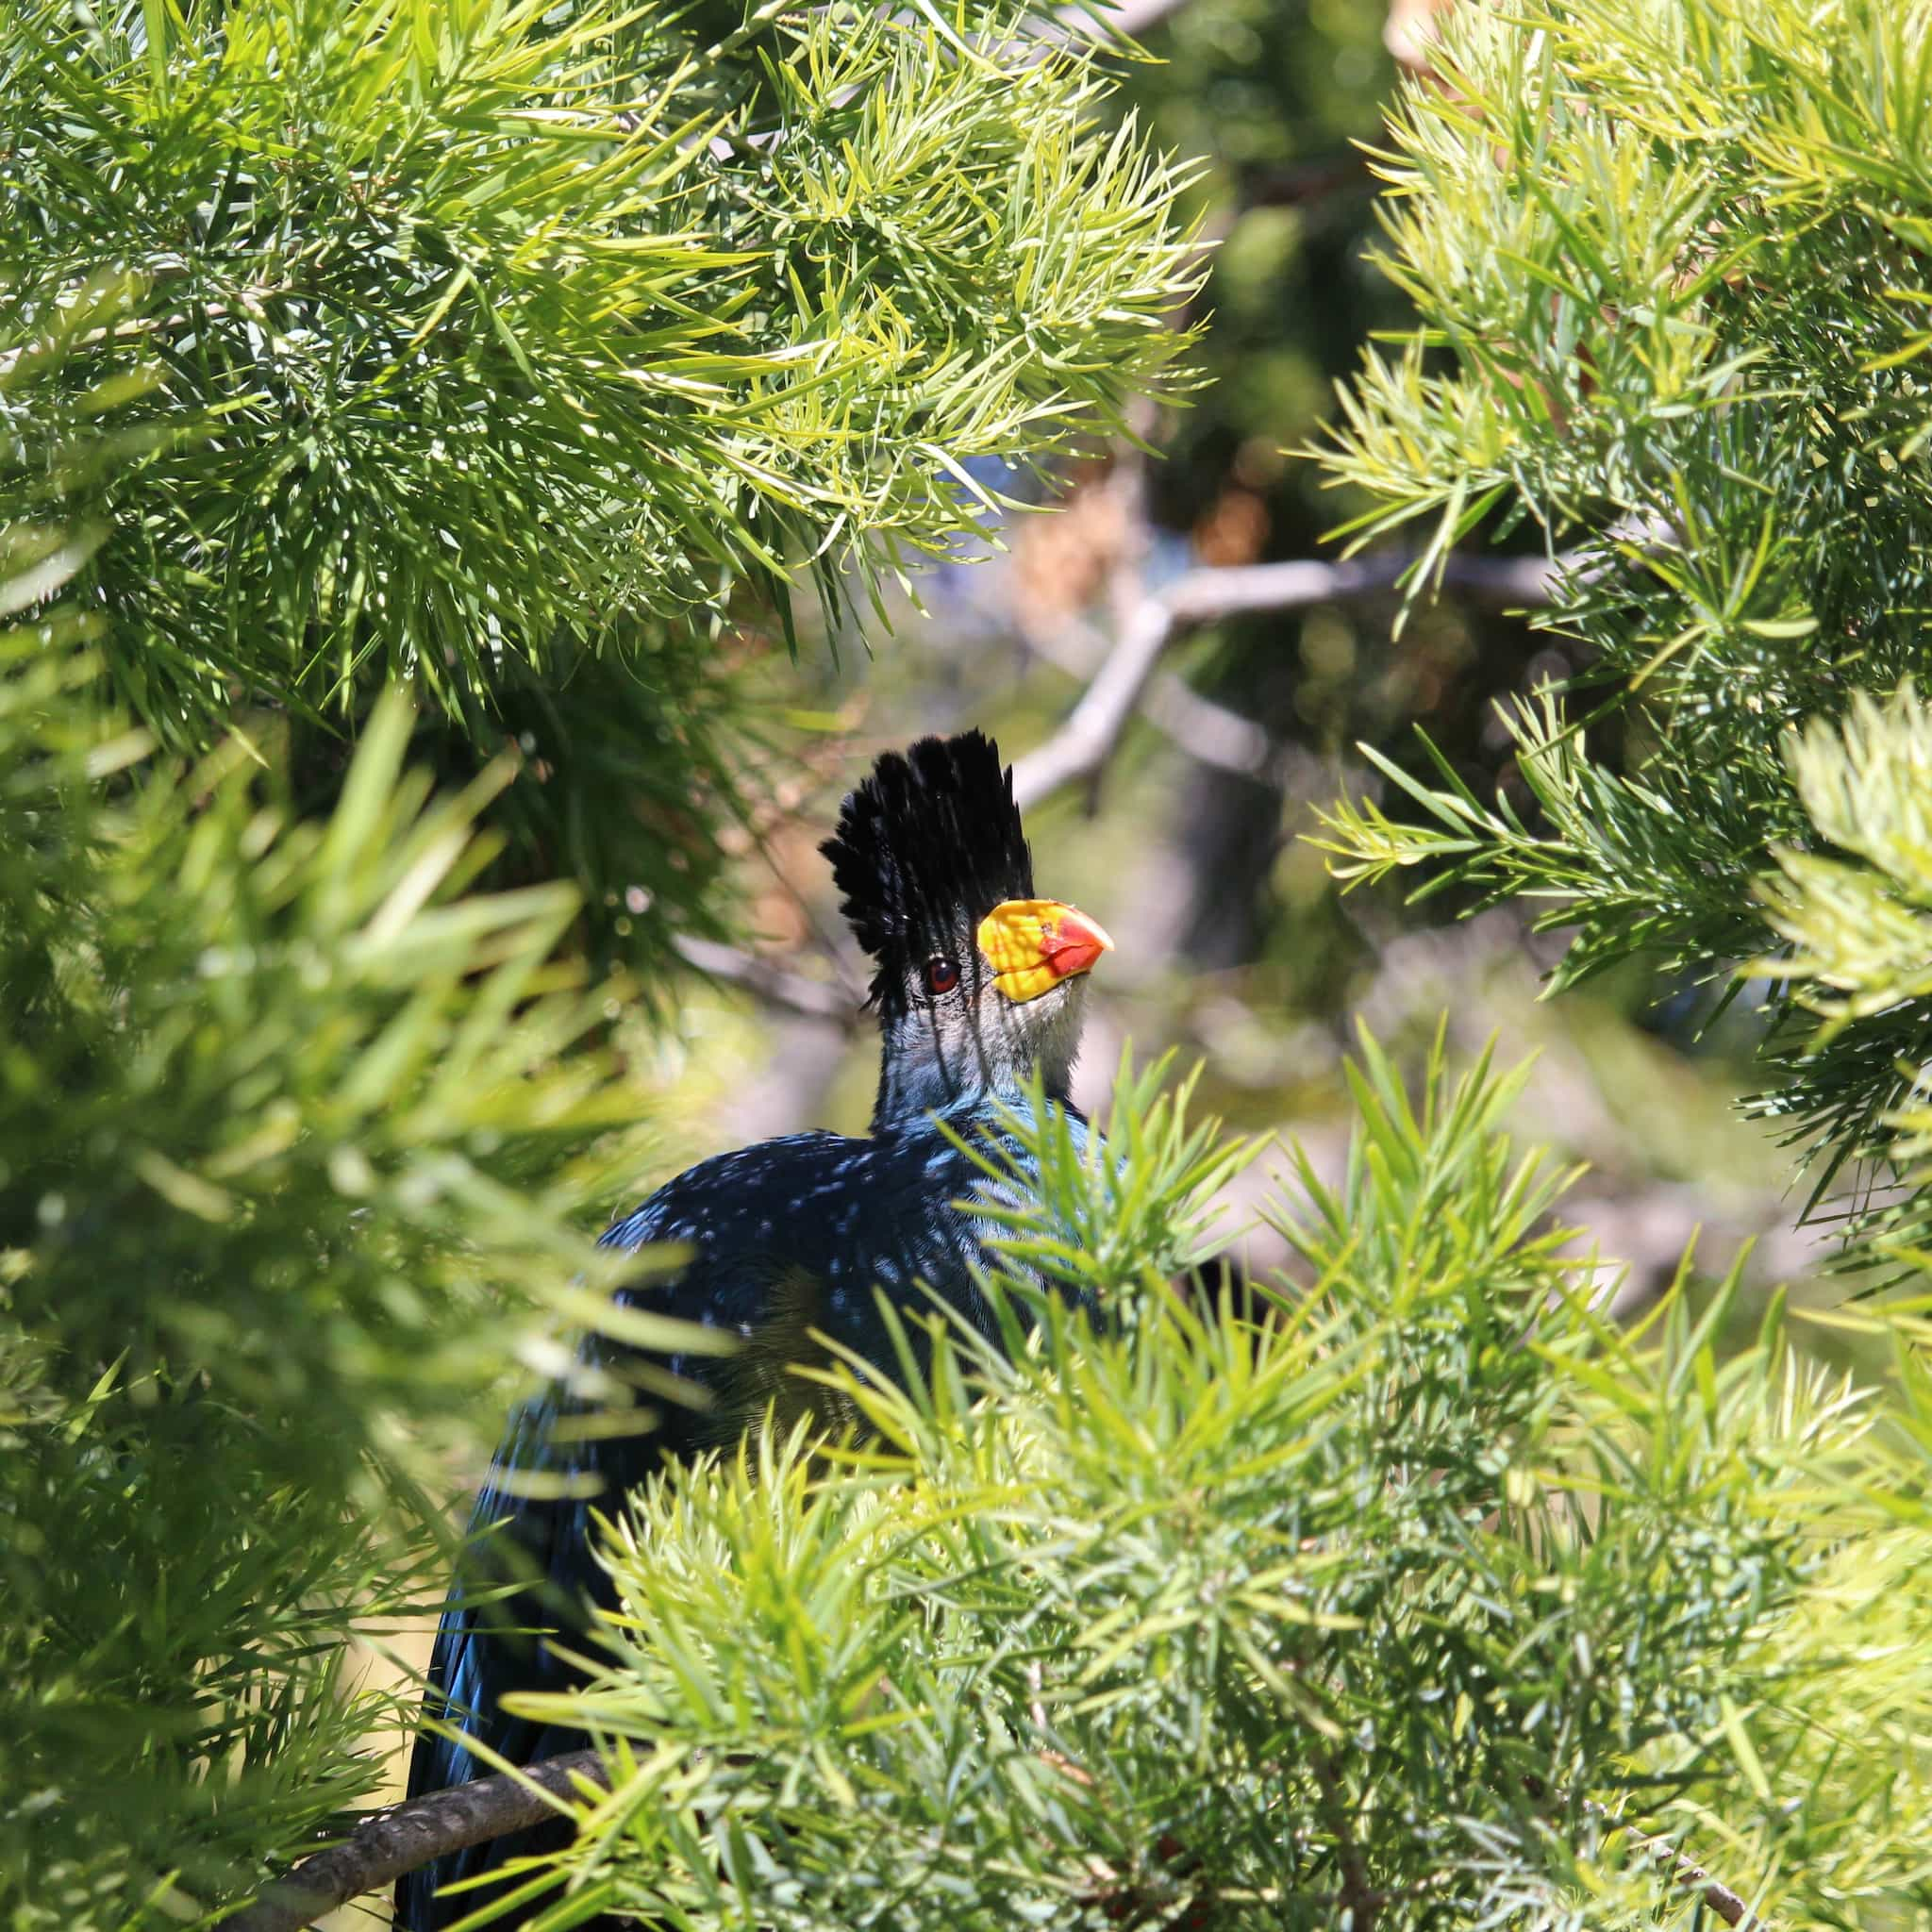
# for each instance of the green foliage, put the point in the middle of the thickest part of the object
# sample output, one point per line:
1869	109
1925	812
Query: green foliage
522	350
300	1136
1379	1599
514	354
1857	925
286	1113
1668	261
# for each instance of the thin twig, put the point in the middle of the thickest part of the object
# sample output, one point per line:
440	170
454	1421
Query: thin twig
1685	1871
1208	732
1116	20
406	1836
1360	1900
1128	679
773	983
1084	743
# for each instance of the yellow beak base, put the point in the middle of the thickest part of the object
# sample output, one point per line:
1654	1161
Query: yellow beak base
1032	945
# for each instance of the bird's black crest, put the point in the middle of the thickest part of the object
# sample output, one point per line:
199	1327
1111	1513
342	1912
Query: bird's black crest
928	845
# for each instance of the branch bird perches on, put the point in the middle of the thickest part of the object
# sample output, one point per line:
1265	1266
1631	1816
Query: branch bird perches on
404	1838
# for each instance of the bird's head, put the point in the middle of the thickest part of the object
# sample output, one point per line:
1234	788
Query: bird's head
979	983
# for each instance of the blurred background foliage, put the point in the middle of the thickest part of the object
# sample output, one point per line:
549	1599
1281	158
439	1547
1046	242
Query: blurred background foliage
1236	944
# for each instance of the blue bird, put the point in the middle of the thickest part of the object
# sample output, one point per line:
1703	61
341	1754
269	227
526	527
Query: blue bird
978	988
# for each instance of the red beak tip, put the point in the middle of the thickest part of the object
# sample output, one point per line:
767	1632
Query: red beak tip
1073	946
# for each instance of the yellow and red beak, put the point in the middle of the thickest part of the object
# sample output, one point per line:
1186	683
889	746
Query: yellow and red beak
1032	945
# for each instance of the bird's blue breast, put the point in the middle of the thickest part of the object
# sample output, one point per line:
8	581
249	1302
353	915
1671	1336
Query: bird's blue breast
791	1243
805	1233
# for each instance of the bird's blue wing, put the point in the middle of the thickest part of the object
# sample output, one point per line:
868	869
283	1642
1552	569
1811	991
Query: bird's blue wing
531	1566
790	1240
529	1571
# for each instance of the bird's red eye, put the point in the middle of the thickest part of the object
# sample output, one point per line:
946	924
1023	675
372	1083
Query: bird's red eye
941	975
